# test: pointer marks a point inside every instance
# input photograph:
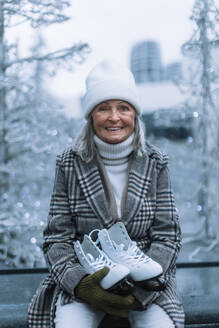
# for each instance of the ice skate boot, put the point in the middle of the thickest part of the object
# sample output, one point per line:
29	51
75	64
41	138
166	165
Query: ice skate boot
116	243
94	259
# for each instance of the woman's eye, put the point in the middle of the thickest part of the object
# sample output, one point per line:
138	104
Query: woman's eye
124	108
101	109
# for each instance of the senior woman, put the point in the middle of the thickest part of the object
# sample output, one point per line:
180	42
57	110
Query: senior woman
111	174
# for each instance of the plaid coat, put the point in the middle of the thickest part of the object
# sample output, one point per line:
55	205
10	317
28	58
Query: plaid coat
79	205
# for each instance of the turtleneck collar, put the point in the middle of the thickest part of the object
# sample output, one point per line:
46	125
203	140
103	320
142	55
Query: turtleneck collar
115	154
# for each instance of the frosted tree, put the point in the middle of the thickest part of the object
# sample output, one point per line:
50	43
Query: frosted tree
28	133
204	74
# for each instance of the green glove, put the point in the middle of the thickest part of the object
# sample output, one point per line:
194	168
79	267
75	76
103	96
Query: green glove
90	291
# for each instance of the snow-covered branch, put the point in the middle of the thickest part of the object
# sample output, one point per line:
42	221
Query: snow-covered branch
80	49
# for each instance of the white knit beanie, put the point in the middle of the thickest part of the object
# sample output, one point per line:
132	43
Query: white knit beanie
109	80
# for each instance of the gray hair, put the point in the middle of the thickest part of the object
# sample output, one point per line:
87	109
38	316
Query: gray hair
85	147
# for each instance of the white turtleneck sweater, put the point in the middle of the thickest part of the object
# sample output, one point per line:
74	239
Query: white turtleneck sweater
115	160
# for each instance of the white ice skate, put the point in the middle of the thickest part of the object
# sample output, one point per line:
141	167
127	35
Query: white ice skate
93	259
116	243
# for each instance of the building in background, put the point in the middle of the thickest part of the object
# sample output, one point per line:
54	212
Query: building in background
161	100
146	64
173	72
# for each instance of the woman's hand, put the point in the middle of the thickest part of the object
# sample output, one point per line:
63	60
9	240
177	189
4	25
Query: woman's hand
89	290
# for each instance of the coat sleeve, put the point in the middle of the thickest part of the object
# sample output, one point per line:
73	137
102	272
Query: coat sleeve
165	232
59	236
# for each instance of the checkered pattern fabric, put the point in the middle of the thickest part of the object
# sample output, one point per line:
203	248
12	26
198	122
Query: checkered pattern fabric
79	205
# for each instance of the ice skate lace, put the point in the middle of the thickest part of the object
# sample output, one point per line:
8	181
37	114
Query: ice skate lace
100	262
132	254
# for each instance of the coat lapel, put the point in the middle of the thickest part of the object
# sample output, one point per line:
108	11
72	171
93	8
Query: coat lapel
92	187
139	180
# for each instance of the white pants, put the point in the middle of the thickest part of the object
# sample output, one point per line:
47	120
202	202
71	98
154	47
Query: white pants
84	316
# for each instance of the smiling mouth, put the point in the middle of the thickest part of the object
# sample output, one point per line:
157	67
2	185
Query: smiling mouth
114	129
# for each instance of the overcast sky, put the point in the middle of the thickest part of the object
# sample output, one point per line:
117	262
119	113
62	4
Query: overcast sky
111	28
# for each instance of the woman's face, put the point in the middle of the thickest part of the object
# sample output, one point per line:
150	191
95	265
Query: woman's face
113	121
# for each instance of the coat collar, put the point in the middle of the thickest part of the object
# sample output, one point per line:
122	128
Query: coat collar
89	178
139	180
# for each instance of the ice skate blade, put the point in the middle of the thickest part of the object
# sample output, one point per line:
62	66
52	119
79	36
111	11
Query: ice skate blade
123	287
